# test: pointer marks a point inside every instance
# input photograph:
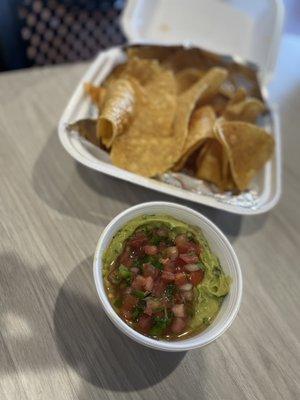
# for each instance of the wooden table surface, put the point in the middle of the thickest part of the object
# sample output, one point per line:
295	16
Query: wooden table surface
55	341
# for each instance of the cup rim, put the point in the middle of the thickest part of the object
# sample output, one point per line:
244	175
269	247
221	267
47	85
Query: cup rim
170	346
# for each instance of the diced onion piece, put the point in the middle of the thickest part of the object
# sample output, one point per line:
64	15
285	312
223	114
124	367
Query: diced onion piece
172	252
186	287
161	232
188	296
192	267
178	310
148	283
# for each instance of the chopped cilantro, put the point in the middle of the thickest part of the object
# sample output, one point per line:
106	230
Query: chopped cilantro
125	274
159	309
217	271
139	294
201	265
156	240
190	236
153	261
160	325
138	310
158	265
170	290
118	303
137	263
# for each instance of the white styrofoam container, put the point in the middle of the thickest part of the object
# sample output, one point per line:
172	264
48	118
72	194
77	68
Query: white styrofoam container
219	245
247	30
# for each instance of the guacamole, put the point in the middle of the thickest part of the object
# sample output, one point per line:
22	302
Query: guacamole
162	278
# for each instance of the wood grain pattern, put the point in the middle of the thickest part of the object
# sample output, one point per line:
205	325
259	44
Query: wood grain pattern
55	341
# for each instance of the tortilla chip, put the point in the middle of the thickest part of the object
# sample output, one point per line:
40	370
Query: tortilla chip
143	149
209	163
246	110
207	86
117	112
141	70
214	79
200	129
238	96
96	93
248	148
228	183
87	129
186	78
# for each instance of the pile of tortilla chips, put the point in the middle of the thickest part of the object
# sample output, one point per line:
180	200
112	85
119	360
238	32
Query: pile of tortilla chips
171	108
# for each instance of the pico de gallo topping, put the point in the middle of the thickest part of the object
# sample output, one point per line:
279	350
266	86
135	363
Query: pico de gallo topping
153	280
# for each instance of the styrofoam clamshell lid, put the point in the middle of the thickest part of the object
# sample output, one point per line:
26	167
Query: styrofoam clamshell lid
250	30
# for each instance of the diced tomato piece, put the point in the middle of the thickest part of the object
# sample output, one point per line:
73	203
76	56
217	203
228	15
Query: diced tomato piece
168	264
159	287
126	259
142	283
144	324
138	283
151	250
179	265
167	276
178	297
170	267
180	279
129	302
178	325
138	240
196	277
149	270
183	244
190	258
148	283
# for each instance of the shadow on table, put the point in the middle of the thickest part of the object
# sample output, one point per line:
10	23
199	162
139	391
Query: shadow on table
73	189
83	335
24	323
83	339
94	347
